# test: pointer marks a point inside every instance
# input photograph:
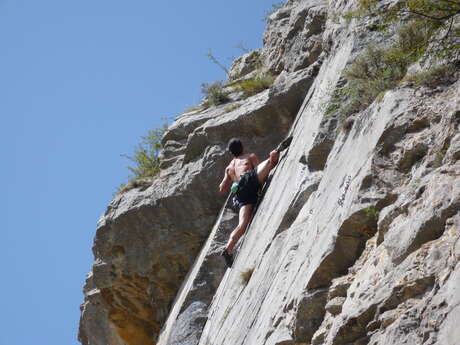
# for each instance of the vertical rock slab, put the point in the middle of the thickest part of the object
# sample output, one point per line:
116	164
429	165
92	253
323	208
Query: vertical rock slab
356	240
190	309
266	301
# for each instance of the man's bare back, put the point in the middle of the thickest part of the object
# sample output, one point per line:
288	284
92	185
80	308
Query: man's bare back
241	164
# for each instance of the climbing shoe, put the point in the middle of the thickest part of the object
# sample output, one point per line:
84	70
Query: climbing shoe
284	144
228	258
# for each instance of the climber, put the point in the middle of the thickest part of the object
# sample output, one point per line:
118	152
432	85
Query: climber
243	177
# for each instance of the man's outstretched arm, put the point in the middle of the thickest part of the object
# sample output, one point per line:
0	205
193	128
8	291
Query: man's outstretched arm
224	186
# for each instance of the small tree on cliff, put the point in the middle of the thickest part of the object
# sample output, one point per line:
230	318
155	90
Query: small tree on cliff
145	156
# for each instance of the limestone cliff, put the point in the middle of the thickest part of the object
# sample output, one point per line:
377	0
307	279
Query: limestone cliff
354	242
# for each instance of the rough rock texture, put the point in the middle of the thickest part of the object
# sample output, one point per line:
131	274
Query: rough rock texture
293	39
356	240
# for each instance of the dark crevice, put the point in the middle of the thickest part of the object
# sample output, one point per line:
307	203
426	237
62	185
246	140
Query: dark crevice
349	245
317	156
418	125
420	192
412	156
402	293
323	143
367	182
310	315
296	205
389	138
389	199
354	331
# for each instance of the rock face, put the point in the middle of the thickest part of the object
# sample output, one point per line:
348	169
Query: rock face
356	240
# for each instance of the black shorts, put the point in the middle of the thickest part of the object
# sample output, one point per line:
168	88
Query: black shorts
248	189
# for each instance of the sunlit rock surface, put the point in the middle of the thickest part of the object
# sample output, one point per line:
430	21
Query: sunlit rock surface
354	242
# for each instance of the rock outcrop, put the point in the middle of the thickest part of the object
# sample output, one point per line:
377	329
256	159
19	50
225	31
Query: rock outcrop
354	242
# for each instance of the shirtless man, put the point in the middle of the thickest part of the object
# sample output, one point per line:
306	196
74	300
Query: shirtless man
244	176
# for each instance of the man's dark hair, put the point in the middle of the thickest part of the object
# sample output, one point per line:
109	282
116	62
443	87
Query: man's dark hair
235	147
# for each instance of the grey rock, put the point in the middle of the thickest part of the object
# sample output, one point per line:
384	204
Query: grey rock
339	287
245	64
334	306
188	324
293	39
322	146
309	314
355	241
189	311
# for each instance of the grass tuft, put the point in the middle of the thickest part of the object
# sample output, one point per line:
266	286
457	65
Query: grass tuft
146	164
245	276
232	107
193	109
215	93
435	76
372	212
379	69
252	86
143	184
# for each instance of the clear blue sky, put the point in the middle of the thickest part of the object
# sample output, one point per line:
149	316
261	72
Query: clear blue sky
80	82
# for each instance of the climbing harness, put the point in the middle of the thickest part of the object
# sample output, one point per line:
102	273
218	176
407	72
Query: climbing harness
234	187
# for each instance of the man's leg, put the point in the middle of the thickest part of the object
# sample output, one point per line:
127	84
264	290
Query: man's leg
263	169
245	216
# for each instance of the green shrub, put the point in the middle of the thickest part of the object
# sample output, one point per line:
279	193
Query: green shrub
436	15
252	86
215	94
332	106
438	10
368	76
438	159
372	212
434	76
379	69
145	159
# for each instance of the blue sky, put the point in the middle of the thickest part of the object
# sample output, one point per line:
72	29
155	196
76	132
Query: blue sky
80	82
